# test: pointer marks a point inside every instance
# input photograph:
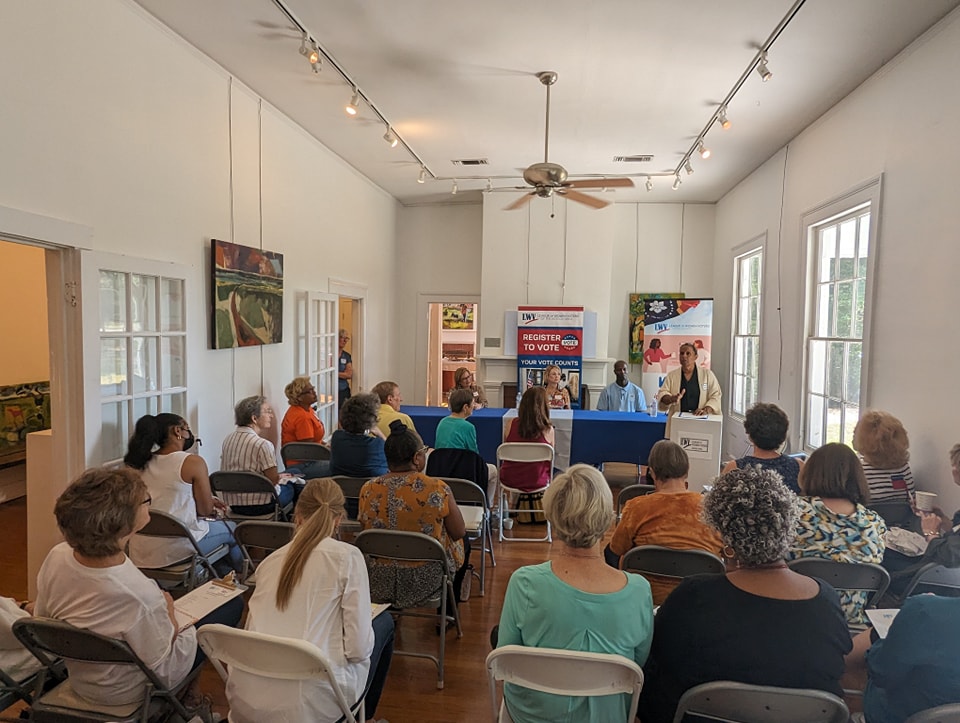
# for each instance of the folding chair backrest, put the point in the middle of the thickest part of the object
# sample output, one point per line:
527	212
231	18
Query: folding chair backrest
303	451
162	524
269	656
460	463
242	483
401	545
351	486
667	562
724	700
935	576
851	576
949	713
525	452
466	492
264	533
564	672
628	493
897	514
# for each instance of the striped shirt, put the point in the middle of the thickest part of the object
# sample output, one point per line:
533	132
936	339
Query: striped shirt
889	485
245	451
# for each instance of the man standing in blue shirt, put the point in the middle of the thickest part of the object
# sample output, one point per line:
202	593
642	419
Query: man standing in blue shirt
621	395
344	370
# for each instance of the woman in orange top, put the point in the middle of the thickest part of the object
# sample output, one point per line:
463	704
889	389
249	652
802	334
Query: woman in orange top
300	424
670	517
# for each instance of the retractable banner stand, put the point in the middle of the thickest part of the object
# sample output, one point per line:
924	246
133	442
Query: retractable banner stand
668	323
550	335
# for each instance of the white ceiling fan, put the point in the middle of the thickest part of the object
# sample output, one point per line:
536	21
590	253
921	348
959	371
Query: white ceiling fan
549	178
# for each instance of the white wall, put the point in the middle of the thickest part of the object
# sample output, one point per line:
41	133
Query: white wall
901	123
126	129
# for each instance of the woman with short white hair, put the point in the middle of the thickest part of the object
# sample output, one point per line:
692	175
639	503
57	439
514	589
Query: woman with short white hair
576	601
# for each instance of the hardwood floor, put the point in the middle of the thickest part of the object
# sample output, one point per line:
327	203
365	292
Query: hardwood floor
411	692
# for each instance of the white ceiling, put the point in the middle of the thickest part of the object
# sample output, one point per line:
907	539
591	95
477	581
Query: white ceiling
458	80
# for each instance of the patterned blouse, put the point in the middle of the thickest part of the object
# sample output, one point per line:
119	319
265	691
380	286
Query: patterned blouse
414	502
857	537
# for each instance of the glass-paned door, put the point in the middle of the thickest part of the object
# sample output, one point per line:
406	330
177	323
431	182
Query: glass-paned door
322	354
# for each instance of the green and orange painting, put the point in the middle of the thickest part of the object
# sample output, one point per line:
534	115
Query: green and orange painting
247	295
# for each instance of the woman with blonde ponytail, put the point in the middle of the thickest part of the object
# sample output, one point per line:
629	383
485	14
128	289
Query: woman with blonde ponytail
315	589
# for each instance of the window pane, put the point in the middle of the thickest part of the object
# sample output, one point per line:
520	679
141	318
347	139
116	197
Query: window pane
171	305
753	357
863	250
175	404
173	361
145	405
845	306
815	421
834	421
114	430
739	405
143	306
818	365
113	367
835	371
113	301
828	243
750	393
743	270
739	355
848	249
859	303
754	327
854	360
825	310
144	363
851	415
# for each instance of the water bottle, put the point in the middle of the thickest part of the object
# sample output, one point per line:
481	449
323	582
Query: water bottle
519	397
652	407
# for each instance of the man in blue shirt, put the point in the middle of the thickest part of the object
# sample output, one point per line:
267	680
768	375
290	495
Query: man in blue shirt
621	395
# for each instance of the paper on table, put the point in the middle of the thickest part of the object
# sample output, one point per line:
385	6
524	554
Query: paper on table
203	600
882	619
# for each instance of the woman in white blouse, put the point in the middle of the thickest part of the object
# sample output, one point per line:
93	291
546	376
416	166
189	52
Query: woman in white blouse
315	589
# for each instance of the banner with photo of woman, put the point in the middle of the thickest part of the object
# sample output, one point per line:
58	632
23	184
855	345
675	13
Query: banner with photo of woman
668	323
550	335
636	323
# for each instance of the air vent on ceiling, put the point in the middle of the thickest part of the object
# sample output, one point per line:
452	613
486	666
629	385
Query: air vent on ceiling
469	162
632	159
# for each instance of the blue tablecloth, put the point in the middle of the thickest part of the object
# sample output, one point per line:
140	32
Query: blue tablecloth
596	437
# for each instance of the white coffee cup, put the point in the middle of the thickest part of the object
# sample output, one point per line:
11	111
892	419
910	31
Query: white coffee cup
926	501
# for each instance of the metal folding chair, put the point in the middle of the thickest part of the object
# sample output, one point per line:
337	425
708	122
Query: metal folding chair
949	713
931	577
730	702
261	534
192	570
249	490
669	563
303	451
386	546
351	486
524	452
562	672
472	502
850	576
274	657
628	493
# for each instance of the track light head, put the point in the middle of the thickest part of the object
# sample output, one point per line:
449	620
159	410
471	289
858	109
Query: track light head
390	137
649	184
723	120
762	68
353	107
422	178
703	150
310	51
688	167
677	182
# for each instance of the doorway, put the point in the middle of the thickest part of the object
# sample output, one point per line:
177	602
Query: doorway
350	314
451	344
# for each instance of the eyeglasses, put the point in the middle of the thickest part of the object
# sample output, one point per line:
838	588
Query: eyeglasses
148	501
423	449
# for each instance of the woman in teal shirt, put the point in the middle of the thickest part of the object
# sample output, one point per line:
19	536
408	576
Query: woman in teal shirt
576	601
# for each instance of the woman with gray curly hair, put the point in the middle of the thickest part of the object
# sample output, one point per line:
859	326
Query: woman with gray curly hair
759	622
576	601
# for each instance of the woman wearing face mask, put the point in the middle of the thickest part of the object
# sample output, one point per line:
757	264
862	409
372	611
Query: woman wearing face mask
179	485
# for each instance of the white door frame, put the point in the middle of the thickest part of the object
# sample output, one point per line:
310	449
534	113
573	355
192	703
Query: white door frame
422	340
358	292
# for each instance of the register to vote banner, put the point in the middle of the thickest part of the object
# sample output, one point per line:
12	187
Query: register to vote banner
668	323
550	335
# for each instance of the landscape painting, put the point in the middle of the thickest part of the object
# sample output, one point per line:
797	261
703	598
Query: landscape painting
247	295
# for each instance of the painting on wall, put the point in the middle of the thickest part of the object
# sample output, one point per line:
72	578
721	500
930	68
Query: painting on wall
24	408
247	290
458	316
636	323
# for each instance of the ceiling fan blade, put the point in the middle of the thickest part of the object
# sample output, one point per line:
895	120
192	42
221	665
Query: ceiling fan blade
520	202
601	183
583	198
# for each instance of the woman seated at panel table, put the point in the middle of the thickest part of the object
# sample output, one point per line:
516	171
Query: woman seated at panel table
760	622
575	601
180	486
531	425
669	517
690	388
833	522
463	378
407	499
316	589
766	425
557	397
90	583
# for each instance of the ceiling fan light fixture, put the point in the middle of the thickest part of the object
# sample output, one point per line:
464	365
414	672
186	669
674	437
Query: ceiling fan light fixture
677	182
422	178
703	150
688	167
353	107
649	184
390	137
723	120
762	70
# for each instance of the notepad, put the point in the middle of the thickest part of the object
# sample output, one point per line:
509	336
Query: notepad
203	600
881	620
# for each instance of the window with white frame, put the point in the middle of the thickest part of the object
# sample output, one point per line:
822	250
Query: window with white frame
747	284
841	247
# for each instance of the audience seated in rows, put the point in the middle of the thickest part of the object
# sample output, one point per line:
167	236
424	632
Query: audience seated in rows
390	399
356	449
766	425
531	425
90	583
301	424
455	432
407	499
576	601
669	517
884	450
178	484
244	450
315	589
758	623
833	522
